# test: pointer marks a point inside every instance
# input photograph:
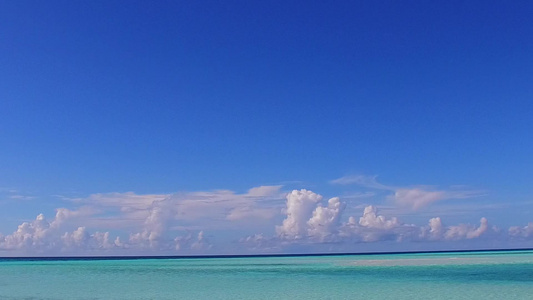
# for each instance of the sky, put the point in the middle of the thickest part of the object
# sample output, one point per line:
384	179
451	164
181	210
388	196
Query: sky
256	127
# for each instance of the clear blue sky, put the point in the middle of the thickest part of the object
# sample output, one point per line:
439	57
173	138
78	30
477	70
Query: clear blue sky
189	97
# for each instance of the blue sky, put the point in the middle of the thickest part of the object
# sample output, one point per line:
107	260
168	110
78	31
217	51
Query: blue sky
154	122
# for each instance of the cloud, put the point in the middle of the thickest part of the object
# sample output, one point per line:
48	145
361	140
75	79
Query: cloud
209	208
307	221
362	180
146	220
81	238
413	197
122	223
373	227
240	213
370	219
188	242
325	220
420	197
264	190
522	232
437	231
416	197
43	236
300	205
260	242
467	231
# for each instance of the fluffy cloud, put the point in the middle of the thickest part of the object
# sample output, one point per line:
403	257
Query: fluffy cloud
373	227
158	222
434	231
198	243
147	219
43	236
437	231
300	205
212	208
307	221
28	234
325	220
370	219
467	231
522	232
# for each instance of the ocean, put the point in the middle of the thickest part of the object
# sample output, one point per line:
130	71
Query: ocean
466	275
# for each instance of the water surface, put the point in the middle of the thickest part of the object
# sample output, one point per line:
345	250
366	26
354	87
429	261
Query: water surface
478	275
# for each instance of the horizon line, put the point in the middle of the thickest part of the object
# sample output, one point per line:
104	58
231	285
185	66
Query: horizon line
139	257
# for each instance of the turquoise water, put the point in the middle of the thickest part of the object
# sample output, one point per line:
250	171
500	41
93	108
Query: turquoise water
487	275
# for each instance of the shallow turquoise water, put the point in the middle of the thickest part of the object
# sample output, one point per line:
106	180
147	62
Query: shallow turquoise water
487	275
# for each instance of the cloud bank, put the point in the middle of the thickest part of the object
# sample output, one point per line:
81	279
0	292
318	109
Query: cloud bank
187	223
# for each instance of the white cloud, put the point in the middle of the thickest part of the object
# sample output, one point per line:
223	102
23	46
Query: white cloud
259	242
373	227
240	213
437	231
308	221
153	223
28	234
325	220
417	197
188	242
300	205
147	219
414	197
264	190
434	231
522	232
43	236
467	231
362	180
370	219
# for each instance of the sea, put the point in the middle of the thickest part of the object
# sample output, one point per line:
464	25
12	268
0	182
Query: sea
447	275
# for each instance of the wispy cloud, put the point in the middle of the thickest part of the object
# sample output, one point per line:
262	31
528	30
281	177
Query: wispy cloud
415	197
362	180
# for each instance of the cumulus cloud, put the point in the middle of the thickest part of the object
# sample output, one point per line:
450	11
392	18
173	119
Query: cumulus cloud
308	221
43	236
260	242
28	234
370	219
178	222
146	220
300	205
467	231
522	232
325	220
198	243
373	227
212	207
437	231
